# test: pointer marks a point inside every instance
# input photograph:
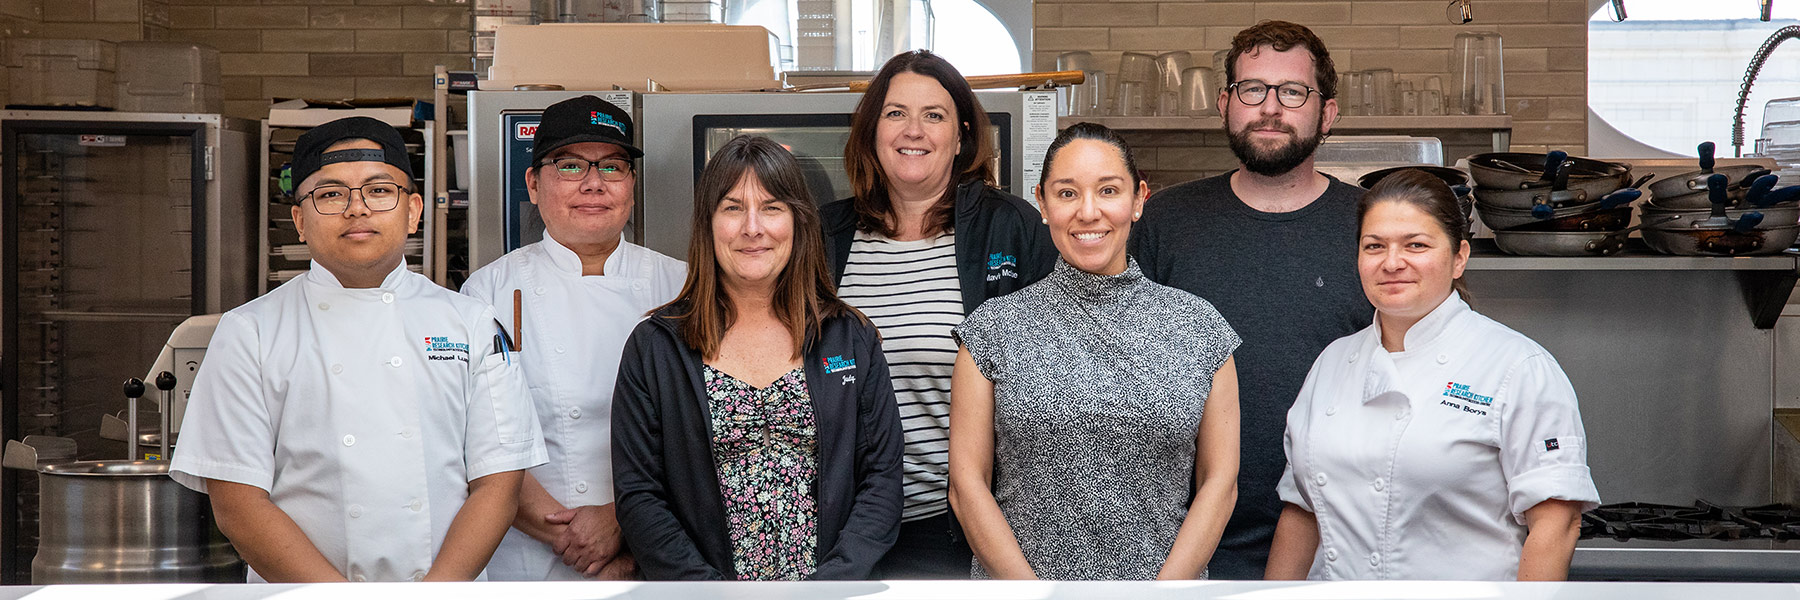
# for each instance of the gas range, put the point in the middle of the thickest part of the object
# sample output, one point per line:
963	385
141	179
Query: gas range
1698	542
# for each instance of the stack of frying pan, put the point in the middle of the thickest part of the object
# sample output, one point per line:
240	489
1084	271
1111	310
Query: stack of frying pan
1553	204
1729	211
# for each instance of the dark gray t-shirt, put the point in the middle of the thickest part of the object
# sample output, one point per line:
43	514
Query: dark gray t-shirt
1287	283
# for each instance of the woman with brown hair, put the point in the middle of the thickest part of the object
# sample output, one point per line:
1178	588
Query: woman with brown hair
927	238
1436	443
754	428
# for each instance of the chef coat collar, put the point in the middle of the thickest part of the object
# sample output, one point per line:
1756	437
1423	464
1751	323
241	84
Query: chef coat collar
567	261
1432	325
324	277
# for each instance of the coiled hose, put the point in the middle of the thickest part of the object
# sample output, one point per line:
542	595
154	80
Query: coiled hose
1756	65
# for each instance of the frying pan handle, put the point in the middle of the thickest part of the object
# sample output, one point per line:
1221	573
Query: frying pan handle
1620	197
1563	170
1752	177
1747	222
1642	180
1706	157
1553	164
1759	190
1715	189
1786	194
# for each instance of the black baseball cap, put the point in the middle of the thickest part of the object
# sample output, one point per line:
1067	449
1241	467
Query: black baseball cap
583	119
310	154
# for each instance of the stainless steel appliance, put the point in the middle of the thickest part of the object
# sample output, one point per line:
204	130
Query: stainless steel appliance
116	228
678	133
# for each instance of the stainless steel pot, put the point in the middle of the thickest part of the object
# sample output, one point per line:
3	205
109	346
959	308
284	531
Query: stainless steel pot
126	521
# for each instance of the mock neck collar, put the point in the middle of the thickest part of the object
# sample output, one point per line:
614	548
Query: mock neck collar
324	277
1093	287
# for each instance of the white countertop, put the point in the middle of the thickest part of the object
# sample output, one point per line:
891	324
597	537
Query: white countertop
925	590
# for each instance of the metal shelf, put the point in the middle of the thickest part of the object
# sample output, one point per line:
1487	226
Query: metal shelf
1766	281
1500	126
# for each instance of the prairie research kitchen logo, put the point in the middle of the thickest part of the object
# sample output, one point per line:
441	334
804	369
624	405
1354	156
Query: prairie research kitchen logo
441	348
1471	402
839	363
1002	265
599	118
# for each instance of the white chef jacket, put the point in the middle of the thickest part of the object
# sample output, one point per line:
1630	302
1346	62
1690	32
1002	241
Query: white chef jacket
365	413
575	330
1421	464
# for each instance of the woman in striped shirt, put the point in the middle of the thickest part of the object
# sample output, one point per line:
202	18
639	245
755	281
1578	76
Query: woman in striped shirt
926	239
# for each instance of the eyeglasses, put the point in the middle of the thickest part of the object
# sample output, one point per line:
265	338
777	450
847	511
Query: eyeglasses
570	168
335	199
1252	92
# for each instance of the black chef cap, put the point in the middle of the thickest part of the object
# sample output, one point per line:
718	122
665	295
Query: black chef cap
310	154
582	119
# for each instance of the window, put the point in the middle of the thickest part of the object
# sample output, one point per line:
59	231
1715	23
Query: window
1669	75
968	33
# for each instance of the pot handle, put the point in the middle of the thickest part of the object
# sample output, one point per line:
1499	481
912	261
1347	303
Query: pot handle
1786	194
1553	164
1757	196
29	453
1620	197
1747	222
1706	157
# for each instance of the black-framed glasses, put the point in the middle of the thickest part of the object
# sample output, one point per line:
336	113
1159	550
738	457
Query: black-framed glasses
381	196
569	168
1253	92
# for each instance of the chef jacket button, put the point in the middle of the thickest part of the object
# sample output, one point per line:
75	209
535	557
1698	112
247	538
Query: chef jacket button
387	298
1375	560
539	291
360	578
1443	358
1380	485
1319	479
1330	410
406	434
638	286
559	349
394	362
574	413
416	505
349	440
581	487
324	306
335	369
355	511
1330	554
1353	358
418	576
1400	415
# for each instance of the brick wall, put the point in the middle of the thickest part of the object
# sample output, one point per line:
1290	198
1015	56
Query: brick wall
323	48
20	18
1545	55
111	20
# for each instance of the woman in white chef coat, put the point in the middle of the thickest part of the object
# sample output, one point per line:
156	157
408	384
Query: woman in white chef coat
359	422
579	291
1437	443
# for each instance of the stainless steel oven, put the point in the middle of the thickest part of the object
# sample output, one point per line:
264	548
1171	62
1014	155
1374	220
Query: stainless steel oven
678	133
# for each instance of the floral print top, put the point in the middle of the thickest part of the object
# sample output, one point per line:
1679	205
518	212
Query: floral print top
765	443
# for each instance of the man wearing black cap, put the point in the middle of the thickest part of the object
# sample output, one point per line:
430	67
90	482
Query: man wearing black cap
579	293
359	423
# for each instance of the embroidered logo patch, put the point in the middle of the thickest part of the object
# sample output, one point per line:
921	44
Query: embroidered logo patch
1460	397
441	348
1000	264
839	363
1551	444
600	118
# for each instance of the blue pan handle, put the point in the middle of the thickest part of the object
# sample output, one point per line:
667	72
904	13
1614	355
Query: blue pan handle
1706	157
1759	190
1747	222
1620	197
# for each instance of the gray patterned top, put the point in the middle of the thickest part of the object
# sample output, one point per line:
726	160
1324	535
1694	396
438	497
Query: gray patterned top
1099	385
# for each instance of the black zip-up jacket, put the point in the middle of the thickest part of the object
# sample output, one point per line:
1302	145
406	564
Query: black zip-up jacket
1002	244
667	485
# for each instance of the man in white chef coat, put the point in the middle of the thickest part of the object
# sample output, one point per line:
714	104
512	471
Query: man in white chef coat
360	422
578	294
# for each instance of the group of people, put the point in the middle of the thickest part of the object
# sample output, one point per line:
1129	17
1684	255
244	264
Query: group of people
1267	373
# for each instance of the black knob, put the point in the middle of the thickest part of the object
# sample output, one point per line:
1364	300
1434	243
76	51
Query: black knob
134	388
165	381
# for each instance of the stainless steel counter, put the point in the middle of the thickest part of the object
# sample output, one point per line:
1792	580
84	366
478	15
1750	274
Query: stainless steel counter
1688	560
928	590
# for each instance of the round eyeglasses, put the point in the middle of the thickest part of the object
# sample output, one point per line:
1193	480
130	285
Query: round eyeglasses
381	196
570	168
1252	92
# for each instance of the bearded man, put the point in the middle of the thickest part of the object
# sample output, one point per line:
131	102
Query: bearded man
1273	246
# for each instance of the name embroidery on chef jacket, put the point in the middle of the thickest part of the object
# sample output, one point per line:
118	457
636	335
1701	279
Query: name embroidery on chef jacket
441	348
1000	264
1460	397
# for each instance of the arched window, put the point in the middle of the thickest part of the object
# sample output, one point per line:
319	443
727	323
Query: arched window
1668	76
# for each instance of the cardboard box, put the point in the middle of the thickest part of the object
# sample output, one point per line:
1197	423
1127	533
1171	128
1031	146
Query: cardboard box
399	112
682	57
